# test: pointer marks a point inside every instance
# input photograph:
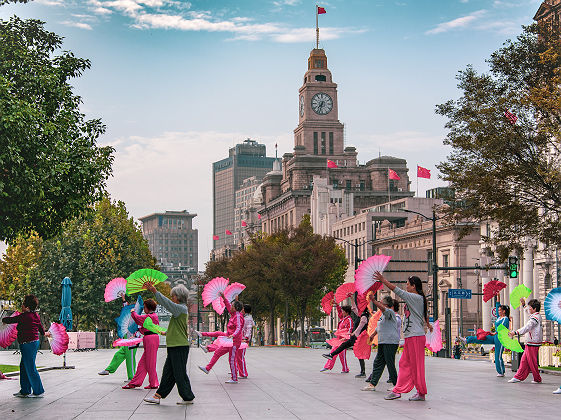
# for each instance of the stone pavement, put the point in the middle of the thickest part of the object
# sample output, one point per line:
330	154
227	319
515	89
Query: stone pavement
284	383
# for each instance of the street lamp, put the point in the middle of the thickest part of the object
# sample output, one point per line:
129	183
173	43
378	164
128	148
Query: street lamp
434	264
355	245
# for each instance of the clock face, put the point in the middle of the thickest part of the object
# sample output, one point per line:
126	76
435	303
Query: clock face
322	103
301	106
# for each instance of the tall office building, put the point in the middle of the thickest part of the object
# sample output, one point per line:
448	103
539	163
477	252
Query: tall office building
172	239
244	160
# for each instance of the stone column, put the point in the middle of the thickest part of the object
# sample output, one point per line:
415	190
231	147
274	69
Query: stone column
528	274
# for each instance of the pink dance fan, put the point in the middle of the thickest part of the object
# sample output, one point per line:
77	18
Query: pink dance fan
326	302
213	289
115	289
344	291
59	339
364	275
335	342
362	349
434	338
227	342
230	293
8	333
127	342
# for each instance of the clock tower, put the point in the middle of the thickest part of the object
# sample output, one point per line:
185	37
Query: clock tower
319	131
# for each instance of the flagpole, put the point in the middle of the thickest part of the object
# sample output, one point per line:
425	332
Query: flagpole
317	28
418	181
388	174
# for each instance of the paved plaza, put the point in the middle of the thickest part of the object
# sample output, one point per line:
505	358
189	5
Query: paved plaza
284	383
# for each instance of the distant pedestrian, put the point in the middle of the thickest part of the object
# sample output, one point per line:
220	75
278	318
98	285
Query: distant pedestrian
177	343
388	343
29	328
457	350
150	342
248	325
412	363
534	334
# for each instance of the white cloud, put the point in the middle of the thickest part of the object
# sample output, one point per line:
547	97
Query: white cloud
309	34
457	23
102	11
81	25
50	2
286	3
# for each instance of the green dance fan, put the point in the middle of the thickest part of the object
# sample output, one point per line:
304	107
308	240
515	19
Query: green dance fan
150	326
518	292
506	341
135	282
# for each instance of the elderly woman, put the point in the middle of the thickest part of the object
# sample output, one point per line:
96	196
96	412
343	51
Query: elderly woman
177	342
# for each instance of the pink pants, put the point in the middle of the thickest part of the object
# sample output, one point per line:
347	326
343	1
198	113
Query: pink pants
342	357
240	361
529	363
147	363
221	351
412	367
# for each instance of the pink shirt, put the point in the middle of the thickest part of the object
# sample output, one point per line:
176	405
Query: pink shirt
139	319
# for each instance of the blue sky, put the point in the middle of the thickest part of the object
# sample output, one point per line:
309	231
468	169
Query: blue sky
178	82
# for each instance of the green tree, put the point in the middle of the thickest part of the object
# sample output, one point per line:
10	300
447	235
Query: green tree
16	266
504	172
51	167
92	249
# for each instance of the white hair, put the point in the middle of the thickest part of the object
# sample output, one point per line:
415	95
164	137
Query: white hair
181	293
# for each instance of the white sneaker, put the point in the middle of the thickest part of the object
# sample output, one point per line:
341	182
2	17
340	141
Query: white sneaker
500	375
152	400
513	381
204	348
204	369
368	388
183	402
231	381
104	372
535	382
557	391
36	395
324	370
198	334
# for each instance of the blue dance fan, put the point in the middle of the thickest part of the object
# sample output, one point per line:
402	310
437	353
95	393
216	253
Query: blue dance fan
552	305
125	324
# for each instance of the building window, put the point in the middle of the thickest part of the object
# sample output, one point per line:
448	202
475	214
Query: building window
315	143
348	184
323	142
362	185
318	64
445	262
331	142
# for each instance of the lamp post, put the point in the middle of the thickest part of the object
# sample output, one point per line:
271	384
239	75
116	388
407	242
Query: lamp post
434	264
355	245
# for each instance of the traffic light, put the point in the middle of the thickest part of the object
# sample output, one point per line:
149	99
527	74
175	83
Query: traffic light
513	267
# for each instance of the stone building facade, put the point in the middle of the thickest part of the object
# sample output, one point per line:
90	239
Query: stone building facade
549	12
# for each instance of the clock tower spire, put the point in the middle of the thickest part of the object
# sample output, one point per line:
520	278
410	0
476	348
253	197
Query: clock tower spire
319	131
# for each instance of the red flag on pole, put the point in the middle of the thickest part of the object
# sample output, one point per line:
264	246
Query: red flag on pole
228	232
244	224
215	237
510	117
423	172
331	164
321	10
259	216
393	175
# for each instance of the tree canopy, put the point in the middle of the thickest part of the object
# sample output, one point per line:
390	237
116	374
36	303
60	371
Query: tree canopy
51	167
503	170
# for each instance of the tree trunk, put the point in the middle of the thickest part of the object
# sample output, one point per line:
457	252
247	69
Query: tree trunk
302	335
286	324
272	327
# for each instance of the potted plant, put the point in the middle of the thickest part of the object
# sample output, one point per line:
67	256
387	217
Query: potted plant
557	358
507	356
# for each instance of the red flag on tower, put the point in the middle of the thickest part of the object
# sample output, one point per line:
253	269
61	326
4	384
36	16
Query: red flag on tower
228	232
259	216
331	164
423	172
321	10
393	175
215	237
244	224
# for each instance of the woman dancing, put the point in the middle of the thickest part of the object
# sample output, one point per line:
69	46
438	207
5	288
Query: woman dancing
412	363
344	329
503	319
151	342
29	327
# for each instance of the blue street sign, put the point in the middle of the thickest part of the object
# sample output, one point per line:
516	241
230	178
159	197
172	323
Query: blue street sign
459	293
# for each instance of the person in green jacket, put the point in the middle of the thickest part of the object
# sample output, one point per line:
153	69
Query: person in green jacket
177	343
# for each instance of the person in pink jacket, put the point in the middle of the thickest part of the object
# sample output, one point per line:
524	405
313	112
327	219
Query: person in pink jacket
345	328
151	342
234	330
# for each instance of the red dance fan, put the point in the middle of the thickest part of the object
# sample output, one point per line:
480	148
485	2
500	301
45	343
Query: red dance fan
434	338
344	291
482	334
8	333
492	289
362	349
364	275
326	302
127	342
59	338
227	342
335	342
213	289
115	289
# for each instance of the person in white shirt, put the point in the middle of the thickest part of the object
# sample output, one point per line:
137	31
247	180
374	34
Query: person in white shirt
533	331
246	337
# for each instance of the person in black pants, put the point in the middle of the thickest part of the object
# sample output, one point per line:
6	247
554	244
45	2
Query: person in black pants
388	342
